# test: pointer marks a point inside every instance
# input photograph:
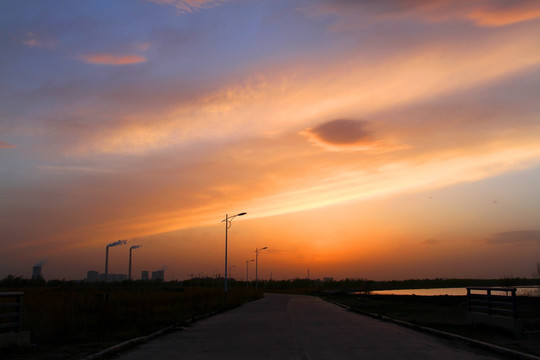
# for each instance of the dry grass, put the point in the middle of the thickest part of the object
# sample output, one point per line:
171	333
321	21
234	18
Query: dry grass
67	321
448	313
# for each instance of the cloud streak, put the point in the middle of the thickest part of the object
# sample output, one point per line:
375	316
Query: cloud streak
484	13
500	13
522	237
190	6
40	41
112	59
5	145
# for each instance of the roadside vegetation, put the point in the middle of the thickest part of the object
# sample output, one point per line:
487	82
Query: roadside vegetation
368	286
444	313
68	319
448	314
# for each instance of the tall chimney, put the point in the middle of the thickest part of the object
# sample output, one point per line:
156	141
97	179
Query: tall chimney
119	242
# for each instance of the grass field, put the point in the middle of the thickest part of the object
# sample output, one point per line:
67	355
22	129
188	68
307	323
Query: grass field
69	321
448	313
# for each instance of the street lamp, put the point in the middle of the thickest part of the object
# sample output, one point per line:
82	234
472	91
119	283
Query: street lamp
228	220
257	251
247	272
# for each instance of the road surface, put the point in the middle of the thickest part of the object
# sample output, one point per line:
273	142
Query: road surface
299	327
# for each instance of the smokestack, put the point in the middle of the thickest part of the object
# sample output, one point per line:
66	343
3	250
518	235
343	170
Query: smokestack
130	250
119	242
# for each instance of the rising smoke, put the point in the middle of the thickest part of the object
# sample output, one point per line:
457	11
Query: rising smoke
41	263
119	242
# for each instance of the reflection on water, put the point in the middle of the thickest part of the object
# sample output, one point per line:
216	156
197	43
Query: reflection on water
521	291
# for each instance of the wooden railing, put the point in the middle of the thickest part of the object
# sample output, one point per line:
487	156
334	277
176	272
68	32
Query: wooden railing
492	301
10	311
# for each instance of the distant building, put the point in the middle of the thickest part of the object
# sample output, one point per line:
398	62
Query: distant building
328	279
92	276
158	275
36	272
144	275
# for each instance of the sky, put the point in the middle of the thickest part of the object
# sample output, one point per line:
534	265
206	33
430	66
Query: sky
382	140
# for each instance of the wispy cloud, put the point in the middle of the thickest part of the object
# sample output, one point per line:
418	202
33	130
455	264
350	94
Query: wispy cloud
75	169
499	13
515	237
481	13
39	41
5	145
144	46
112	59
189	6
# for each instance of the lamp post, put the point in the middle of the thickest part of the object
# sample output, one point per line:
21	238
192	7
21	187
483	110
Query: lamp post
247	272
257	251
228	220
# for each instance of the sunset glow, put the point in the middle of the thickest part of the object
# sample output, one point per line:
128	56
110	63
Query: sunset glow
365	139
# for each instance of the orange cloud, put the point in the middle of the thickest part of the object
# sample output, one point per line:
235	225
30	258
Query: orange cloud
295	98
515	13
481	12
111	59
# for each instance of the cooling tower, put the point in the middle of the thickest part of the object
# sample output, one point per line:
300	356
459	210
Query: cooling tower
36	272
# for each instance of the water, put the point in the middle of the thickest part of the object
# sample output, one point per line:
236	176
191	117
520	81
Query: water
521	291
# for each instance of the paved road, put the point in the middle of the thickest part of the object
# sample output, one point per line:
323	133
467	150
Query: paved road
299	327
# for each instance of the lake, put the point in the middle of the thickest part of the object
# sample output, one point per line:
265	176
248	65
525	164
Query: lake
521	291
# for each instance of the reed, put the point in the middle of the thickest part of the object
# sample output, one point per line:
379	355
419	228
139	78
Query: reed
72	314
